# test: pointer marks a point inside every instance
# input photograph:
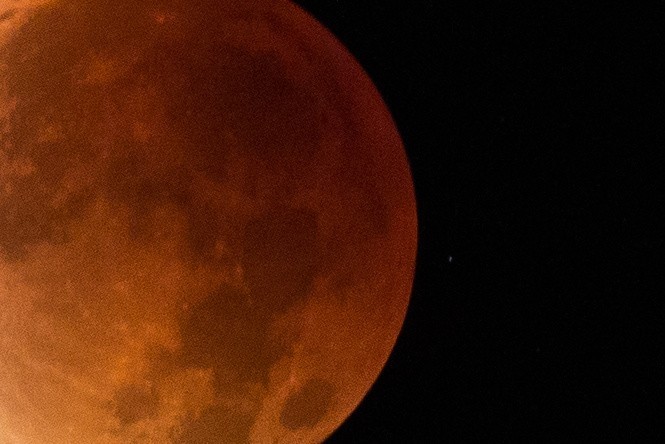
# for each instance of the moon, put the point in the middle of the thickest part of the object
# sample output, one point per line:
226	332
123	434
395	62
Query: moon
207	224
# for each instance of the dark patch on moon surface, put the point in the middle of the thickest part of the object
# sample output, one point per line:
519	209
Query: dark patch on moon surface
280	123
216	425
26	218
204	230
307	406
133	403
226	333
280	258
7	15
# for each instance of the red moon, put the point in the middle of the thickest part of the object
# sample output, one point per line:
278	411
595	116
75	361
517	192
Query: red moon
207	224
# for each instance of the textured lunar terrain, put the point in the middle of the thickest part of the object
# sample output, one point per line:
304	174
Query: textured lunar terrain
207	224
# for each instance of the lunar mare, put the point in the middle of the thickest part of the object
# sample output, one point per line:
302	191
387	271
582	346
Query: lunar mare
207	224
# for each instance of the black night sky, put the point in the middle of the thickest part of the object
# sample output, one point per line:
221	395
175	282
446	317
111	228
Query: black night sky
531	131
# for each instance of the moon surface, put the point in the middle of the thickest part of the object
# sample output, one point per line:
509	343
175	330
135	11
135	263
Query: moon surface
207	224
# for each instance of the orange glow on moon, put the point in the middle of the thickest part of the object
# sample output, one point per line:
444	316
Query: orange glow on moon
207	224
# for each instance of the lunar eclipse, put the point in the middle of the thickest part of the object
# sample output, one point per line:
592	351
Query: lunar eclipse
207	224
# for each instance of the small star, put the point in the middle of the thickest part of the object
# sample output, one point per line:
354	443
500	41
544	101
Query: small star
450	259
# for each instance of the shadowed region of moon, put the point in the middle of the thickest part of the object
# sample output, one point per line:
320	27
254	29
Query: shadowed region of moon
207	224
227	333
307	406
283	122
133	403
217	424
280	258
